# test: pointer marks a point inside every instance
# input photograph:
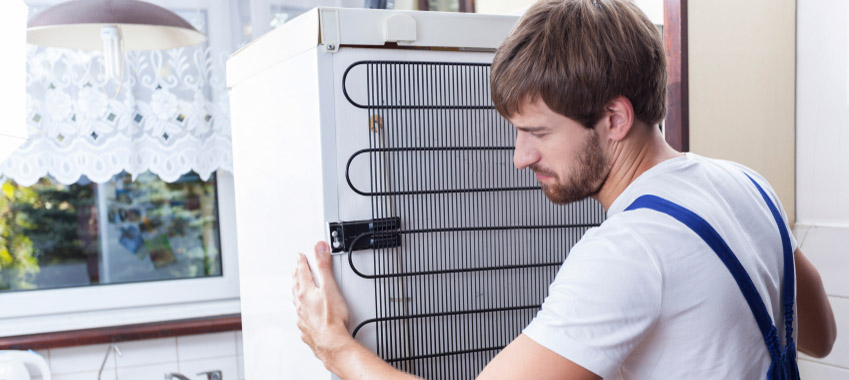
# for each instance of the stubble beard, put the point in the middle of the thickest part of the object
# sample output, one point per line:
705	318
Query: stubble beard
585	179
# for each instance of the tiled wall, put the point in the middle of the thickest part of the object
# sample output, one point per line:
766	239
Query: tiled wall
822	173
152	359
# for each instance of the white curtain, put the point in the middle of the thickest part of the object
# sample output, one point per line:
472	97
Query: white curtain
170	117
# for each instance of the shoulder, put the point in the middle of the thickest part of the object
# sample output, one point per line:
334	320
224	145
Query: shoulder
628	234
736	168
617	252
703	185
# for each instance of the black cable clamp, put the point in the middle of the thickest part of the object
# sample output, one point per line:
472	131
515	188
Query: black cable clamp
383	233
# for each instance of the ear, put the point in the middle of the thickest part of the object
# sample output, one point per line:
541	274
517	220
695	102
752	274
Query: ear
619	114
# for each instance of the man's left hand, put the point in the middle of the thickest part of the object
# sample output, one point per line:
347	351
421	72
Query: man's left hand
322	312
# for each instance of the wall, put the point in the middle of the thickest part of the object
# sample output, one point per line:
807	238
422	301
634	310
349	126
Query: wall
151	359
822	173
742	86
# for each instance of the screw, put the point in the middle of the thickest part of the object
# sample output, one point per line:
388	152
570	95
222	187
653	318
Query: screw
331	46
334	233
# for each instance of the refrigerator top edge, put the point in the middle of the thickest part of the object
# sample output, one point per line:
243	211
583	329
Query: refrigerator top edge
330	28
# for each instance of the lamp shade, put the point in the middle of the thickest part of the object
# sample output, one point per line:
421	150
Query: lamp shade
77	24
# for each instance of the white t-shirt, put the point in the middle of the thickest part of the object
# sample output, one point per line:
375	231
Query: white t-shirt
643	297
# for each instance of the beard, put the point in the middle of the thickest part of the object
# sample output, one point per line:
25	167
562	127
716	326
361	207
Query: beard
585	179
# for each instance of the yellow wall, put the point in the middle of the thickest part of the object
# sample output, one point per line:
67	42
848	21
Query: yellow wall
742	86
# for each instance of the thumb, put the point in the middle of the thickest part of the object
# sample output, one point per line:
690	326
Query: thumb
325	263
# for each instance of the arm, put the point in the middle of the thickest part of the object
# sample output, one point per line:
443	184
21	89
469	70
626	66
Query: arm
525	359
353	361
323	321
817	329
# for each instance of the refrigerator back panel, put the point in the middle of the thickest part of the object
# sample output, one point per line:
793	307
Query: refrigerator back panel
455	248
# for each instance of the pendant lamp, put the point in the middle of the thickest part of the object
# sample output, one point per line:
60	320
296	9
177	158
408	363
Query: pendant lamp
114	26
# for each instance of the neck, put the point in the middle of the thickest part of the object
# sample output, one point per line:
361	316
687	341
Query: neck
641	150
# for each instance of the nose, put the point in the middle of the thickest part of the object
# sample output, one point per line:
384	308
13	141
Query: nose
525	153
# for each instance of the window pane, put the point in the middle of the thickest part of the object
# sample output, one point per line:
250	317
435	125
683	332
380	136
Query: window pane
56	235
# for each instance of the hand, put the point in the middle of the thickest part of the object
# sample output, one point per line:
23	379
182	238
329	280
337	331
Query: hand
322	312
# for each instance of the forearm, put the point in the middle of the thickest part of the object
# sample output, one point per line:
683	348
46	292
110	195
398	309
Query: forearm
352	361
322	319
817	328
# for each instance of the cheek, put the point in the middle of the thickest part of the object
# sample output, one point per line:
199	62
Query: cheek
560	153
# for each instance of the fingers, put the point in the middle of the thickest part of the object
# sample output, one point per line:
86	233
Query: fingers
322	256
296	287
303	274
325	264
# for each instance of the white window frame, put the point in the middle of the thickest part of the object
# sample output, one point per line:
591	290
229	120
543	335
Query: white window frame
51	310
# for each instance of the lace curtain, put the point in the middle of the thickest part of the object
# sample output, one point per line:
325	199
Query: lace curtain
170	117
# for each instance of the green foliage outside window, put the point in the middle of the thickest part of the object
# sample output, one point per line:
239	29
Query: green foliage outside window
54	235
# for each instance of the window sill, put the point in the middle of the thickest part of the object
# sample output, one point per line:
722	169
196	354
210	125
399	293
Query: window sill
125	333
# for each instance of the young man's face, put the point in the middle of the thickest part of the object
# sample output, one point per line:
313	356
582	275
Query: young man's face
567	157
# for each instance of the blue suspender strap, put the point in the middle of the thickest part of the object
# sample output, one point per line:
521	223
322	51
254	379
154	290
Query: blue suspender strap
787	366
789	273
783	361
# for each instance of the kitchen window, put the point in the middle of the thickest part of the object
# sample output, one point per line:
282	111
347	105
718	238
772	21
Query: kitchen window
125	251
121	231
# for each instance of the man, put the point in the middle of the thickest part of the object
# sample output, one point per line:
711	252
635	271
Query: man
642	296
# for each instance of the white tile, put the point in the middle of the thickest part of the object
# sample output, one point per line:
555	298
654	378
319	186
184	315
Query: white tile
79	359
106	375
815	371
227	366
144	352
241	363
239	348
839	355
205	346
147	372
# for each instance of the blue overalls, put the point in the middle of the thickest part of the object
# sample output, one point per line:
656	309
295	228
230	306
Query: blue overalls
783	365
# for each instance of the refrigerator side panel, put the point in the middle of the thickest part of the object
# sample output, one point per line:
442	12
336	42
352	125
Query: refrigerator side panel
277	150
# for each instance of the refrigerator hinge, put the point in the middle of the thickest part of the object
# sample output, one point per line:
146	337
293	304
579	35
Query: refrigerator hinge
329	25
365	234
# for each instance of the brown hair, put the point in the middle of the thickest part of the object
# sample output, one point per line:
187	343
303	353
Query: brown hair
577	55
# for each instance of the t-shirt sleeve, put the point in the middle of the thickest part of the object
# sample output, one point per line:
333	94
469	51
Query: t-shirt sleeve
604	300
